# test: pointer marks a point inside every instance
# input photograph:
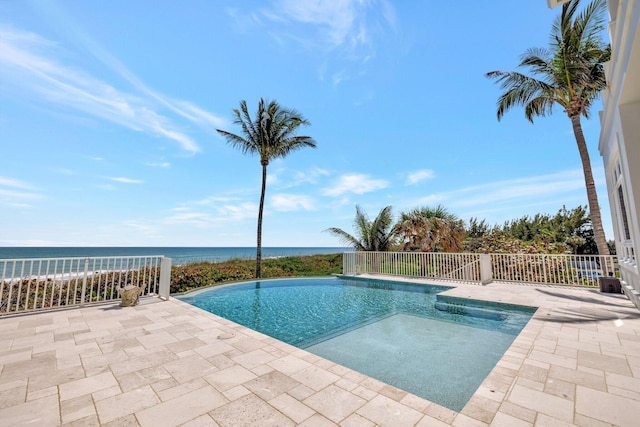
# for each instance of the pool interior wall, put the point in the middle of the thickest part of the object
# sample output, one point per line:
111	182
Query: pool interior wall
406	335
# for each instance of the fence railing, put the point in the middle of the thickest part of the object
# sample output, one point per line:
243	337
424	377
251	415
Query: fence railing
444	266
552	269
44	283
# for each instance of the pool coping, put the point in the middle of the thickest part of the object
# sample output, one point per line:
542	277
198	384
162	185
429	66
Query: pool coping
576	360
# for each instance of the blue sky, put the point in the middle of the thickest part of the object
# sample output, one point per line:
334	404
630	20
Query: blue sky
108	113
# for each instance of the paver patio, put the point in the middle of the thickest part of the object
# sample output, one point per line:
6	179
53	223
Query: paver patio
166	363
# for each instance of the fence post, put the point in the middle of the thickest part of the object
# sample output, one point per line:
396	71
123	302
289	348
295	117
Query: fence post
165	278
486	273
84	282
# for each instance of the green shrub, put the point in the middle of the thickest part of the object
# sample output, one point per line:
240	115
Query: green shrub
193	276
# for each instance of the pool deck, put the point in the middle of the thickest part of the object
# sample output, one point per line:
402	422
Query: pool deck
166	363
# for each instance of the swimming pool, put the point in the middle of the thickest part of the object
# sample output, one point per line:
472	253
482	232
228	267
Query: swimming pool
402	334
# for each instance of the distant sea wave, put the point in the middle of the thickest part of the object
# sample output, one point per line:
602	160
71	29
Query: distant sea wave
178	255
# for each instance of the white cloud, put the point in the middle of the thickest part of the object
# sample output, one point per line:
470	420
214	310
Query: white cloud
31	71
16	192
510	191
125	180
238	212
143	227
339	18
29	242
213	200
197	219
218	214
292	202
8	182
344	24
18	205
272	179
309	176
418	176
160	165
356	184
199	116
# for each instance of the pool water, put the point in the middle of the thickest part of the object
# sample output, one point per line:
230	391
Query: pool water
399	333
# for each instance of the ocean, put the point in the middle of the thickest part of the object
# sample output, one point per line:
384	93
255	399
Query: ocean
179	256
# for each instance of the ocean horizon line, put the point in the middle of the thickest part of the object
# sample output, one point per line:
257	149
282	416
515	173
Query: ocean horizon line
181	254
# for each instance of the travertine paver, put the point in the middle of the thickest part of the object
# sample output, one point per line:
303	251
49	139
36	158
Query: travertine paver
389	413
182	408
250	410
86	385
335	403
577	362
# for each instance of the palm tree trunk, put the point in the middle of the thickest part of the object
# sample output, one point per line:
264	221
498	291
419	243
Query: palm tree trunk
592	196
259	244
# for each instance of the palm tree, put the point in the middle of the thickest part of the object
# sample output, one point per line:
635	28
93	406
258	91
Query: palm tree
376	235
270	135
570	73
430	230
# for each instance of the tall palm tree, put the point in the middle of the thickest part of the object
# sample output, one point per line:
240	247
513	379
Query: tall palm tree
270	134
570	73
430	230
376	235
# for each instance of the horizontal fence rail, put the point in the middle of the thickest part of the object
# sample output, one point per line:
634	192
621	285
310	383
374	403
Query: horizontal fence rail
44	283
550	269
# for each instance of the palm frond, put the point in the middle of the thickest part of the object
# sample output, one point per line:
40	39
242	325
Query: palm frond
346	238
376	235
271	132
569	73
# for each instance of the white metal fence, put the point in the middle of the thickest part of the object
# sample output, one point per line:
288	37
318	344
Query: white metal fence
42	283
431	265
570	270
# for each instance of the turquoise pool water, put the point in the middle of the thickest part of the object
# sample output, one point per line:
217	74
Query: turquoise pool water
399	333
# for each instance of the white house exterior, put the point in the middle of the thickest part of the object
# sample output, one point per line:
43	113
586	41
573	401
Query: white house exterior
619	143
620	137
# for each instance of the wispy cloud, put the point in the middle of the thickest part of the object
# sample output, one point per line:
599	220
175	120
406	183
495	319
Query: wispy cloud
29	242
14	183
213	200
238	212
9	195
356	184
15	193
292	202
347	29
510	191
124	180
159	165
28	64
420	175
198	219
309	176
221	213
339	22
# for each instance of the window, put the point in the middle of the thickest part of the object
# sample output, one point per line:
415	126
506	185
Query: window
623	214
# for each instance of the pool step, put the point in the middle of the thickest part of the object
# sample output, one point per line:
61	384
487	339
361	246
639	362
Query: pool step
470	310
